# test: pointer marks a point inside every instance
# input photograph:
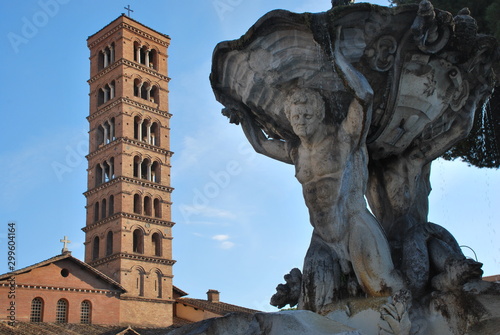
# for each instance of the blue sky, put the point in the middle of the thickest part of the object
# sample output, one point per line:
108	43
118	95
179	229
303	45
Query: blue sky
241	220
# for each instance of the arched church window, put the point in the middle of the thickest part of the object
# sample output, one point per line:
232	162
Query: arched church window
159	288
109	243
95	248
157	208
36	314
140	282
147	206
85	310
137	204
155	172
62	311
156	244
154	136
138	241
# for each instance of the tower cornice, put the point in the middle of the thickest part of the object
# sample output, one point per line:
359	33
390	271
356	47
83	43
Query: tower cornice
124	140
136	181
129	102
138	257
135	65
136	217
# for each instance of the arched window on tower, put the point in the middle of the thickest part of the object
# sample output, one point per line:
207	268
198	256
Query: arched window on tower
153	94
36	314
85	312
144	131
100	136
147	206
106	56
140	282
103	209
137	128
159	289
145	169
62	311
145	88
153	59
137	166
137	87
156	244
137	52
95	248
96	211
138	241
155	172
157	207
154	136
109	243
98	175
137	204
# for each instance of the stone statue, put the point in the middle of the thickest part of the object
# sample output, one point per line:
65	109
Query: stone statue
331	164
361	99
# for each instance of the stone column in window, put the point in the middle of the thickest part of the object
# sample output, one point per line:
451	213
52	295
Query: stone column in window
139	130
105	54
111	163
106	94
111	130
138	53
139	90
148	135
111	53
149	170
103	176
147	58
111	91
106	133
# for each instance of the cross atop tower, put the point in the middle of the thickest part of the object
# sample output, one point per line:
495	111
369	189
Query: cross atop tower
129	10
65	242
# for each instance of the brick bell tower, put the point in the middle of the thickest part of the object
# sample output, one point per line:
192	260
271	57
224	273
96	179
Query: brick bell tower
128	229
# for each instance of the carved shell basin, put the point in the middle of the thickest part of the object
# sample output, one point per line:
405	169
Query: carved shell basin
415	92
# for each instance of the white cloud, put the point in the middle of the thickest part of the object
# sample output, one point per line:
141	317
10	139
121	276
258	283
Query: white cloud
220	237
188	212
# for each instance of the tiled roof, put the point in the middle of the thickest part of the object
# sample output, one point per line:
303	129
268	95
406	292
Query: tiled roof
220	308
61	257
179	291
27	328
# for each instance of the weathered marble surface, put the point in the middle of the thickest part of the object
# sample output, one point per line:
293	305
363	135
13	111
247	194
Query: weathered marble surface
281	323
361	99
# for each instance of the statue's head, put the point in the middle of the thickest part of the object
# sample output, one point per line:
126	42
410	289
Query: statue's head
305	109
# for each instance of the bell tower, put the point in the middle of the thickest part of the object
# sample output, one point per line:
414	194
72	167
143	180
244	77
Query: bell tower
128	227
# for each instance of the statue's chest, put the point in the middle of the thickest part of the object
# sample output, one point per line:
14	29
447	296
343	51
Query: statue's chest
314	163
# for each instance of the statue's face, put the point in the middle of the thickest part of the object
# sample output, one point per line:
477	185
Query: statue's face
303	119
